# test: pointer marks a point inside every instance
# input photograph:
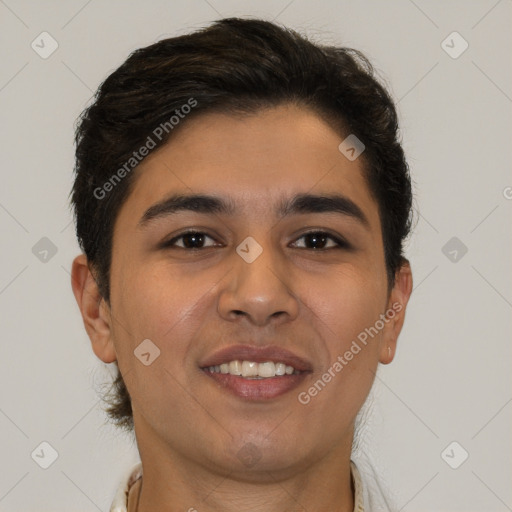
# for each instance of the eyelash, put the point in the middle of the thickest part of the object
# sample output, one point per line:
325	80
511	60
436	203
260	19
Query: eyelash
340	243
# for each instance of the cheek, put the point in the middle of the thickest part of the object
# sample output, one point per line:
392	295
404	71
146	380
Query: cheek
157	305
169	306
347	303
162	306
345	307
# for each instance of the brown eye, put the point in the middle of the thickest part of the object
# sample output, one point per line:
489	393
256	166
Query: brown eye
320	240
190	240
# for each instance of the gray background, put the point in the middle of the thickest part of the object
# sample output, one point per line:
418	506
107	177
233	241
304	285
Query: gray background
451	379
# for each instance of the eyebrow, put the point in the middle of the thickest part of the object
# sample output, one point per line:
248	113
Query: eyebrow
298	204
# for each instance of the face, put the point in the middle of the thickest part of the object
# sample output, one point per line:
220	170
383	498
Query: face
270	270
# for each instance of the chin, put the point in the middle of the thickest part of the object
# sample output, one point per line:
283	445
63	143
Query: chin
263	459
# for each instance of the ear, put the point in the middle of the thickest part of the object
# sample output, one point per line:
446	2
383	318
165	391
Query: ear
94	309
395	312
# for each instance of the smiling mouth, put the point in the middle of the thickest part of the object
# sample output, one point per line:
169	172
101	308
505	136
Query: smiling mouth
255	381
253	370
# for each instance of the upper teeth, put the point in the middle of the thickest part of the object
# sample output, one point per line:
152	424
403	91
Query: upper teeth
252	369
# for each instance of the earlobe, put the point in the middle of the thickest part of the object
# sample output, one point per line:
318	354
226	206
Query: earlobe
95	313
397	304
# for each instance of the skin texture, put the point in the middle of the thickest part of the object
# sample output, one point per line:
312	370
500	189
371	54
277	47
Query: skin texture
190	304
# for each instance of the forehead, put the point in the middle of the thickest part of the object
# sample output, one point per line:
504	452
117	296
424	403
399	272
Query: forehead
254	160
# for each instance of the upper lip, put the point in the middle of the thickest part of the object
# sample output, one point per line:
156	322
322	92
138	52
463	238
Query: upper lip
257	355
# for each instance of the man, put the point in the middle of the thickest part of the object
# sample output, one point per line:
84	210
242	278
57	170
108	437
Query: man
241	199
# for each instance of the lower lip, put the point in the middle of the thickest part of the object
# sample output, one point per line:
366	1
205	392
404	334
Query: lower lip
257	389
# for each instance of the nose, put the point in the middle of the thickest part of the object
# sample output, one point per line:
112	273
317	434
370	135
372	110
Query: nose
259	292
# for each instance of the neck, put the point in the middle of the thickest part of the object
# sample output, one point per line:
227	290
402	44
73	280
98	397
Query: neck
229	495
172	483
